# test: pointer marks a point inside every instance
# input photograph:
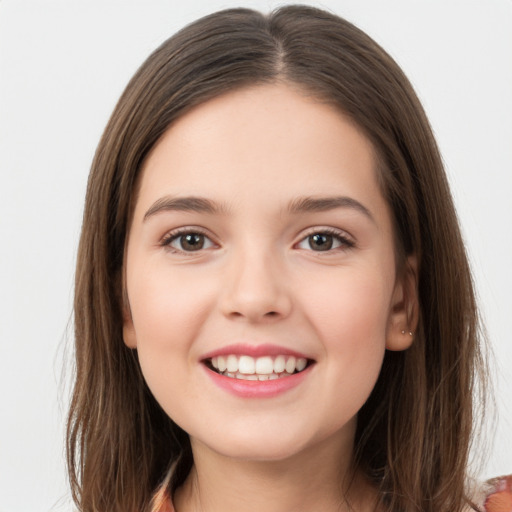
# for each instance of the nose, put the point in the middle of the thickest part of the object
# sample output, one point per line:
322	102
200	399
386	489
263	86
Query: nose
255	288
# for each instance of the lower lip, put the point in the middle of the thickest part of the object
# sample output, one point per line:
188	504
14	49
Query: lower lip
257	388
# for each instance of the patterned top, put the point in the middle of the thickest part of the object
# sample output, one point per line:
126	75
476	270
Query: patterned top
495	496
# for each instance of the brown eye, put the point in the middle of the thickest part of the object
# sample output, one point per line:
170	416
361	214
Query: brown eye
190	241
324	241
320	242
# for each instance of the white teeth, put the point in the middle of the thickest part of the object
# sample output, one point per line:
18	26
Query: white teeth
301	364
221	361
246	364
261	368
279	364
232	363
255	376
290	364
241	376
264	365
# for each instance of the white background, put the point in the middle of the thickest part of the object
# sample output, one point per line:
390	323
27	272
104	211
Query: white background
63	64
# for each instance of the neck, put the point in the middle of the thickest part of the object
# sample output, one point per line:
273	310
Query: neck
319	478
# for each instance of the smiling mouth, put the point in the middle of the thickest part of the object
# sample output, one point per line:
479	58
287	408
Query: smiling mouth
257	368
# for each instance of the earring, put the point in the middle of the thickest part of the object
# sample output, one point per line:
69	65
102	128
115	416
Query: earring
410	333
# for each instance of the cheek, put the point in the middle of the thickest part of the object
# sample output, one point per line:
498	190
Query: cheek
166	307
351	321
350	307
167	313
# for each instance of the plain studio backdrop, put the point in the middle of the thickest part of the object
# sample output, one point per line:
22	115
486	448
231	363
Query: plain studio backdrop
63	65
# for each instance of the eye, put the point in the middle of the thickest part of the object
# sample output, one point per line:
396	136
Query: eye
325	240
187	241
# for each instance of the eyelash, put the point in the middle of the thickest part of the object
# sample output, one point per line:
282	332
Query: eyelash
345	242
341	237
169	238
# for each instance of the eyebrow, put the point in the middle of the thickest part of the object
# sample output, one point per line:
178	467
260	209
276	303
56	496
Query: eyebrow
323	204
299	205
184	204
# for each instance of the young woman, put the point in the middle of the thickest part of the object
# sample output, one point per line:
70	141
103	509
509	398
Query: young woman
273	306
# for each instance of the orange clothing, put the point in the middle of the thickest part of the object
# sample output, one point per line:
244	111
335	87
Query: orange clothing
496	496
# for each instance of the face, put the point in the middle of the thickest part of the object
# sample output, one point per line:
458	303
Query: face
260	274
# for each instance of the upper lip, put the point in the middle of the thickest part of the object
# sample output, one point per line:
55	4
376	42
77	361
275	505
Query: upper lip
243	349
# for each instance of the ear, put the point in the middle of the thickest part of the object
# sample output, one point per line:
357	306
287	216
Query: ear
403	317
129	338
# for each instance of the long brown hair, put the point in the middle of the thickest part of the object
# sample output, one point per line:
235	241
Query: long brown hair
414	431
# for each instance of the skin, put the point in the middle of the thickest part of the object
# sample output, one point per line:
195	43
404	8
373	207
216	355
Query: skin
259	279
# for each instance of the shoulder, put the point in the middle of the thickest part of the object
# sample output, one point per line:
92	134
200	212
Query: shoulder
493	496
496	495
162	502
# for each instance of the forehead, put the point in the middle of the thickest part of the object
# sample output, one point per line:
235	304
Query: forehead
267	141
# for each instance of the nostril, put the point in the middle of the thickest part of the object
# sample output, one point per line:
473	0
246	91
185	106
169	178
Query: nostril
271	314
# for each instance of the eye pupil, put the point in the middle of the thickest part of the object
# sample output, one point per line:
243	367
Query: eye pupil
320	242
192	241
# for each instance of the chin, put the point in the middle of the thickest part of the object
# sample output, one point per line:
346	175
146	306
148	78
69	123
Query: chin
258	450
254	440
266	443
